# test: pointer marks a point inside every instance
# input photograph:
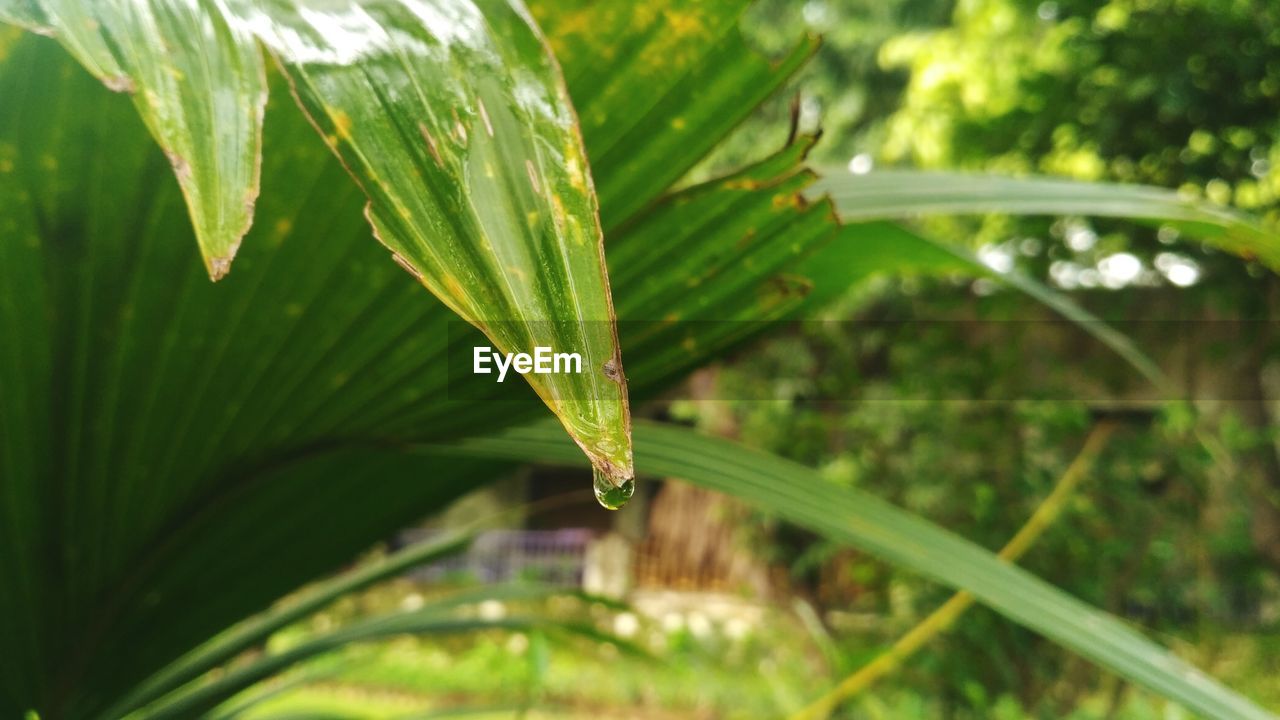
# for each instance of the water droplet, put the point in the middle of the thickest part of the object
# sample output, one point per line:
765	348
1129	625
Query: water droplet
611	496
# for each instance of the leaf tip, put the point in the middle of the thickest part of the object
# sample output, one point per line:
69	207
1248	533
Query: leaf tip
219	265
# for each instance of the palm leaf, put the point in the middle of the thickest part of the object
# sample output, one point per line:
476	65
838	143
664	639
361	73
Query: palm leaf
446	95
680	77
260	629
157	429
445	615
453	119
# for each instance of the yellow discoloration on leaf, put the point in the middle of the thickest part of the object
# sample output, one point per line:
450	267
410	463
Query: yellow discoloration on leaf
573	166
454	287
576	235
683	32
643	13
577	23
685	25
678	123
788	200
557	209
558	46
341	123
7	36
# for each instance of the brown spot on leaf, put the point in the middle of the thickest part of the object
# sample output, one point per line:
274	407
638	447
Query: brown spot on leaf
783	288
612	369
484	115
431	143
533	176
219	266
402	262
181	167
120	83
459	130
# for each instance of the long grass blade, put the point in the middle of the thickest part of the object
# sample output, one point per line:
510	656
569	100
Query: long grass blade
798	494
889	194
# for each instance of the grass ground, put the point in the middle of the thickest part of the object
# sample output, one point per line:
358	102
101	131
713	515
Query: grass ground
766	673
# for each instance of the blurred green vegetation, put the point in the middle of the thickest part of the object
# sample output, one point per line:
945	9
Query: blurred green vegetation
766	673
919	390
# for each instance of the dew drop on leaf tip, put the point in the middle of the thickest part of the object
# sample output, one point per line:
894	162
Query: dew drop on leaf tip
611	496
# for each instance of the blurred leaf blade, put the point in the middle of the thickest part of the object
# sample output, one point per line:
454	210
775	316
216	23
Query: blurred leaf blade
867	249
259	630
886	194
204	698
800	495
440	616
302	372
